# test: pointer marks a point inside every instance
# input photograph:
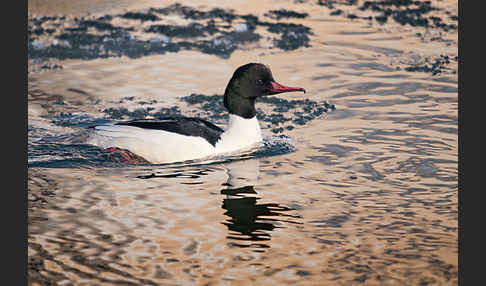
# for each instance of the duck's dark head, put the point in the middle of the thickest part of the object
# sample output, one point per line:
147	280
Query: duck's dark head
249	82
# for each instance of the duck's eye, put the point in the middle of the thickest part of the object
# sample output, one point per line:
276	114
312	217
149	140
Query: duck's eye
259	82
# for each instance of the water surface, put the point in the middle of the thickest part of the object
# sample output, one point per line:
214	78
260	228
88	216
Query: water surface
363	193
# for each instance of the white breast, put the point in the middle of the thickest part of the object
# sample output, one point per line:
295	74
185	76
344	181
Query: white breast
241	134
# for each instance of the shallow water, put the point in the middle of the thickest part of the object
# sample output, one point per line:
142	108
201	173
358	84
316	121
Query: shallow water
363	193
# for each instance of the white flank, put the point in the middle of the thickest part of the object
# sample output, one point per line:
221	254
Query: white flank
158	146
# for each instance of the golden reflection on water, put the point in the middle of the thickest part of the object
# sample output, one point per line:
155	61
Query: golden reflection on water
368	196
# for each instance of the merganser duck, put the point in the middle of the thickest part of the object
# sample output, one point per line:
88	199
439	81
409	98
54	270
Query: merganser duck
177	139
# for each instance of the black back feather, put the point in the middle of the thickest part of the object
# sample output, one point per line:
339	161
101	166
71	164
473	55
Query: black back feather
187	126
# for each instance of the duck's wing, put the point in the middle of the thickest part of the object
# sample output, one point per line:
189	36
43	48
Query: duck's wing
187	126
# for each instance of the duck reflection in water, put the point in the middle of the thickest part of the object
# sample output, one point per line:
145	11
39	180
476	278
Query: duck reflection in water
249	221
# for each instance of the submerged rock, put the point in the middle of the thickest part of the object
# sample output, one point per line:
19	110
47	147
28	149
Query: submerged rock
411	12
90	38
